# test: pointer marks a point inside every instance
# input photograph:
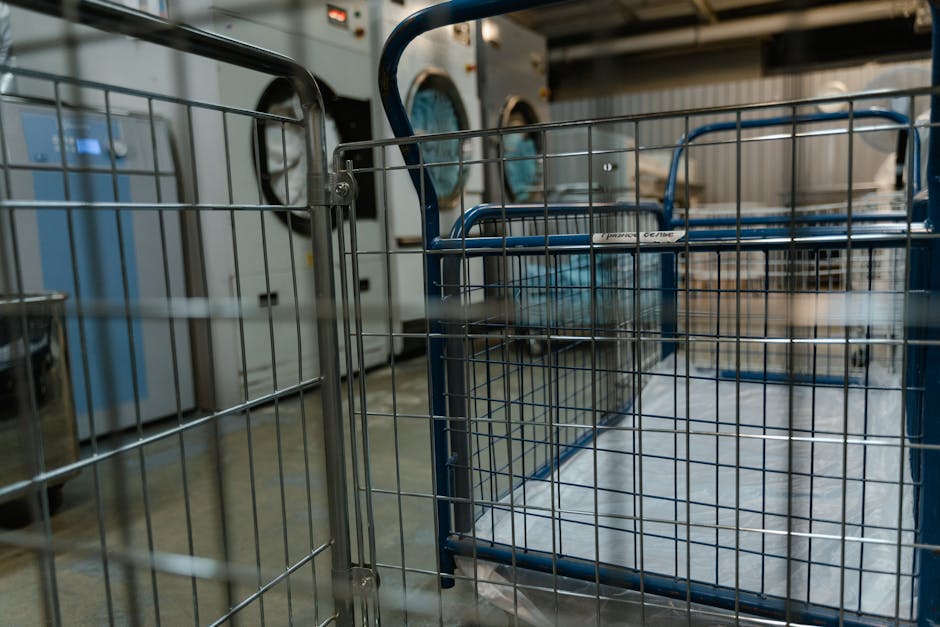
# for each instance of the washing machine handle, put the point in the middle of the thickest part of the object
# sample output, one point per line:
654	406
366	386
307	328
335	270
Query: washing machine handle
443	14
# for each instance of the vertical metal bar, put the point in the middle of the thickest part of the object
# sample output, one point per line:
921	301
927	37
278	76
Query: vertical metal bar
907	277
455	357
455	360
279	448
687	402
171	322
328	343
594	392
138	416
737	369
469	375
636	365
928	600
393	375
505	370
845	373
340	215
361	378
244	364
790	271
430	227
216	434
304	429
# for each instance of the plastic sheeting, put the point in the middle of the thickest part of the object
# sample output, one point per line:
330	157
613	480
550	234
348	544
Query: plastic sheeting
700	477
543	599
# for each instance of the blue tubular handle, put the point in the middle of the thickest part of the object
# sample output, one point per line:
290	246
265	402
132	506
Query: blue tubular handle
670	195
443	14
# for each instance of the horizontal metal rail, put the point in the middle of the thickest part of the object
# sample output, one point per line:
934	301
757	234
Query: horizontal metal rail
794	120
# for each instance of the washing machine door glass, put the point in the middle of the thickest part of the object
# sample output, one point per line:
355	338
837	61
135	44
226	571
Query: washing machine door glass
435	106
280	152
522	165
286	153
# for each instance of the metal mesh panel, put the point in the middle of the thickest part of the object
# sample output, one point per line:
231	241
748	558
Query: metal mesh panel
645	413
148	475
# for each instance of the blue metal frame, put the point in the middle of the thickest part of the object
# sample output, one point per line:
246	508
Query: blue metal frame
669	198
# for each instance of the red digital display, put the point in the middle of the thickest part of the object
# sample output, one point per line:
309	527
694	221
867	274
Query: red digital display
336	15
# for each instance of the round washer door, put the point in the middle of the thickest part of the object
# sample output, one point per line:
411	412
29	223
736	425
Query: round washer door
435	106
521	152
280	154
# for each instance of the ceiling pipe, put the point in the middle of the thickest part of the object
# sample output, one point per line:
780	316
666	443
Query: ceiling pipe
746	28
705	11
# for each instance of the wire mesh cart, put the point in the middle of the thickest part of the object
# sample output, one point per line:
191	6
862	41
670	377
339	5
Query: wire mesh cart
665	414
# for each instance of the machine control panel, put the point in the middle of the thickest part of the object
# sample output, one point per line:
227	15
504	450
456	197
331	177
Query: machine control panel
88	139
83	139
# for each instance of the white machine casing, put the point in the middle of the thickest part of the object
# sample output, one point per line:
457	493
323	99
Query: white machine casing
513	76
133	64
340	57
449	52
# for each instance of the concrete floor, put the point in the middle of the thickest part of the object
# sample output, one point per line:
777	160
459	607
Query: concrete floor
166	500
262	509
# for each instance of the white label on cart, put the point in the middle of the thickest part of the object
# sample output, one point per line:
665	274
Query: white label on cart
646	237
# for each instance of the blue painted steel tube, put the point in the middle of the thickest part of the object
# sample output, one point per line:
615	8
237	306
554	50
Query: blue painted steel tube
668	304
924	365
838	218
455	358
428	19
669	198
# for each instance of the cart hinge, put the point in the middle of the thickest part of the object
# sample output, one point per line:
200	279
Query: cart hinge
343	188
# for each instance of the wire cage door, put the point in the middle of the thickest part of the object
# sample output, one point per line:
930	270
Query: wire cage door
190	490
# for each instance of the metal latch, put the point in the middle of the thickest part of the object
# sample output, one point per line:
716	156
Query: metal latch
343	188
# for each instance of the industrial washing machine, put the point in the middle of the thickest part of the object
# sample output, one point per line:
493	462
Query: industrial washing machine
121	370
275	260
438	76
513	79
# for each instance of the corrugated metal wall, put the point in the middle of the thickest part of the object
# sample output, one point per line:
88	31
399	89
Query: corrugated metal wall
822	162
